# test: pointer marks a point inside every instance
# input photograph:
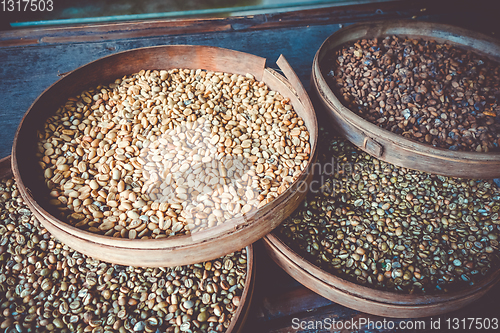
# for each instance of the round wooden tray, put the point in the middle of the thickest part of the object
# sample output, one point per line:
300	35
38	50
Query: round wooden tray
241	314
365	299
391	147
174	251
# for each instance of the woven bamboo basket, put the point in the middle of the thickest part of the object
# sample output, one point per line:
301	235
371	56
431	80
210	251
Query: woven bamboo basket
384	144
180	250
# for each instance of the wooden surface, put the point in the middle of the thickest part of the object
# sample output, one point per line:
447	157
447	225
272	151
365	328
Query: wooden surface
5	170
391	147
32	59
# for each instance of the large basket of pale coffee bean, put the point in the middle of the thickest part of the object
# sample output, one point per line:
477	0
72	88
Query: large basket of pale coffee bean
167	155
416	94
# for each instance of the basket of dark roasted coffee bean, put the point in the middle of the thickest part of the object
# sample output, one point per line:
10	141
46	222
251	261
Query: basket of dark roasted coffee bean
420	95
166	156
45	286
389	240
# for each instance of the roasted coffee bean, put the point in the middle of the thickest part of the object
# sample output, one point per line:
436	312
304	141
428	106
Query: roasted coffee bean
426	91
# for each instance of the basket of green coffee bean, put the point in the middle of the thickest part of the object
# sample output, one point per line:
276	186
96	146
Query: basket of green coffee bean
416	94
45	286
168	155
388	240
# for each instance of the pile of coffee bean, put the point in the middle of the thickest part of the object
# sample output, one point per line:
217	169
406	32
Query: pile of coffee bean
392	228
430	92
47	287
162	153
